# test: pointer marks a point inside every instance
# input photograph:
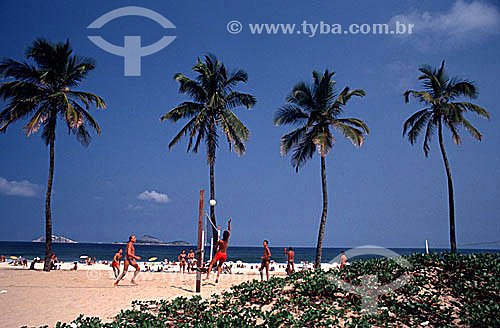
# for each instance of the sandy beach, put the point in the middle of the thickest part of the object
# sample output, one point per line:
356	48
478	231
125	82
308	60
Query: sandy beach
35	298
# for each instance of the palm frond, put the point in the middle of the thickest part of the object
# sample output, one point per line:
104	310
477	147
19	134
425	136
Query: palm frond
417	126
473	131
240	130
323	139
356	122
87	98
289	114
10	68
89	118
421	96
36	120
191	88
411	121
291	139
235	77
428	136
461	89
466	106
302	96
187	128
303	150
355	135
235	131
186	109
454	132
237	99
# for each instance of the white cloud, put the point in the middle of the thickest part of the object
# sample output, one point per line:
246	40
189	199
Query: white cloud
463	23
134	207
19	188
153	196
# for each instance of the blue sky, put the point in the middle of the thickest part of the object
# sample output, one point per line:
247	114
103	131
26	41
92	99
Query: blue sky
385	193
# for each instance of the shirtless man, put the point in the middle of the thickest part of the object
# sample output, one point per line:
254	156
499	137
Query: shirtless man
221	249
265	261
290	267
130	259
191	260
343	260
116	262
182	261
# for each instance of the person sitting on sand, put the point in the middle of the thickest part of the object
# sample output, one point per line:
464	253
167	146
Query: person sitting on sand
343	260
221	249
182	261
290	268
265	261
116	262
191	260
32	265
75	267
53	261
130	259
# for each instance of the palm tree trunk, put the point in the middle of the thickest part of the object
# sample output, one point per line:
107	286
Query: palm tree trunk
212	196
321	233
211	160
48	215
451	205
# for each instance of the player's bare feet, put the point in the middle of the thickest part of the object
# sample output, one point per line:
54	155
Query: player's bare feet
134	283
115	284
216	281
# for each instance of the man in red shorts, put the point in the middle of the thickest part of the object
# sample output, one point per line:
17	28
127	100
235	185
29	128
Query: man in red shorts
290	267
221	255
116	262
265	261
343	260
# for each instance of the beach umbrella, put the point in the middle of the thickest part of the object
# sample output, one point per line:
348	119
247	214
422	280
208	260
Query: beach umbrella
13	257
83	256
153	259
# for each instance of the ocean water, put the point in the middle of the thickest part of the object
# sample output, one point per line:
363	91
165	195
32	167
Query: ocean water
72	252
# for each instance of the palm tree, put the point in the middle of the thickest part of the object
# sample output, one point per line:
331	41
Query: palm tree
438	97
316	108
42	87
213	98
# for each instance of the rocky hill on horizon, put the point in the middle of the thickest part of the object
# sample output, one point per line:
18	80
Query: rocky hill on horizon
55	239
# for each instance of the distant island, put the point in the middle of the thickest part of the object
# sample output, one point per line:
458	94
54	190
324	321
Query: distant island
55	239
150	240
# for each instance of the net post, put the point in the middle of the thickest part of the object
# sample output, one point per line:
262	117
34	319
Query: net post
200	242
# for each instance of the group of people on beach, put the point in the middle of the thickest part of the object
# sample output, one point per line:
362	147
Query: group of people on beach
189	259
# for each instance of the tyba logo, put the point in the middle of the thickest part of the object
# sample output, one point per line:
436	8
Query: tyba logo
132	50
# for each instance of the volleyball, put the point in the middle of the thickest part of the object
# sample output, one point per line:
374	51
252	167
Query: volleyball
212	202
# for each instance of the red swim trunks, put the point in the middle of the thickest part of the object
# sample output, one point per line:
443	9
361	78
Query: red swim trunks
220	256
115	264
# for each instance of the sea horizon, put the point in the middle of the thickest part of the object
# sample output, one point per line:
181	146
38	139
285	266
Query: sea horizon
250	254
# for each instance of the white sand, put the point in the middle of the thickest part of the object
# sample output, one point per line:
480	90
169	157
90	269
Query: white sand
36	298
